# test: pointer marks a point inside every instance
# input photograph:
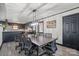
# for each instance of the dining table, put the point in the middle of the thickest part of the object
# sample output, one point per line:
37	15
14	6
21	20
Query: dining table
41	41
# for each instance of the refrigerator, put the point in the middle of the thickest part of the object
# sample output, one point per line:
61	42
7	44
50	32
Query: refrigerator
1	30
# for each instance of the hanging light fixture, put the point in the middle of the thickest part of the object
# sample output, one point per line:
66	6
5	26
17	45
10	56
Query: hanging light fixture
34	18
33	24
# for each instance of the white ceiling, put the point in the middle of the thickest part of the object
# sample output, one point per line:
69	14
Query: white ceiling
22	12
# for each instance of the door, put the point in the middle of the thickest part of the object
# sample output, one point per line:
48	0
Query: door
71	31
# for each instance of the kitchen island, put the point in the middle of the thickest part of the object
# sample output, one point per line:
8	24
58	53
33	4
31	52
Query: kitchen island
9	36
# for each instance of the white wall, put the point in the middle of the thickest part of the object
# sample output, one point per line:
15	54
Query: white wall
57	32
2	17
41	27
1	29
2	12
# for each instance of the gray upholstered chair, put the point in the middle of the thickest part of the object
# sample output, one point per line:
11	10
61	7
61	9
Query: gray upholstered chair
51	48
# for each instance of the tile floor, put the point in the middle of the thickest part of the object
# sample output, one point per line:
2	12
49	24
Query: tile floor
8	49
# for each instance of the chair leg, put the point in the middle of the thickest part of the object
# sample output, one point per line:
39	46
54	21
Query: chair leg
30	52
25	52
20	50
16	47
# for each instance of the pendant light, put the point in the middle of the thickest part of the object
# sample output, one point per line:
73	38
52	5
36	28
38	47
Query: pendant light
34	23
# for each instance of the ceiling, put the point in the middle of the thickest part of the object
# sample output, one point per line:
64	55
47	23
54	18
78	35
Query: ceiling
22	12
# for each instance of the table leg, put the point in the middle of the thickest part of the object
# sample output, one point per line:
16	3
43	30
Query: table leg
37	50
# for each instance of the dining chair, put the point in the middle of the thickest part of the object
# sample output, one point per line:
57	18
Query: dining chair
18	40
51	48
29	47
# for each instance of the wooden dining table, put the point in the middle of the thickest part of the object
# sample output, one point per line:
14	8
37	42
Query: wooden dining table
41	41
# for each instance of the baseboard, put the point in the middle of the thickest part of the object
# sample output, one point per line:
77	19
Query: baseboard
66	46
59	44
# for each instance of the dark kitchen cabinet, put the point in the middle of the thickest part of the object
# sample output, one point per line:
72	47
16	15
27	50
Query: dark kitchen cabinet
10	36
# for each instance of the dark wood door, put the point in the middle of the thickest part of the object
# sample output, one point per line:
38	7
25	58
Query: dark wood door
71	31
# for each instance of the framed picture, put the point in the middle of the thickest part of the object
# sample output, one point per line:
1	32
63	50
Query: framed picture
51	24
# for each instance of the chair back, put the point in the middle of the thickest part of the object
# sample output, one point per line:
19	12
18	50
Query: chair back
27	43
18	38
53	46
48	35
